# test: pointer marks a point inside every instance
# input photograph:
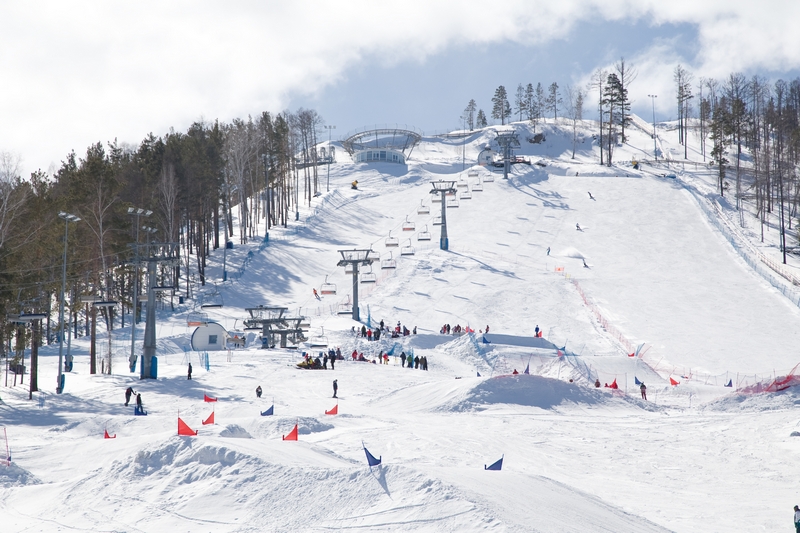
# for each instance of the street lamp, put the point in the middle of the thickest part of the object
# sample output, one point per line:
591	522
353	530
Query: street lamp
60	380
653	100
329	128
137	212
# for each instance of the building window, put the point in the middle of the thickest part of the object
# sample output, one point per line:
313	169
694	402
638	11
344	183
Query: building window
212	339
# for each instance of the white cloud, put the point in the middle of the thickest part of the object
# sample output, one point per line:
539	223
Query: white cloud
75	73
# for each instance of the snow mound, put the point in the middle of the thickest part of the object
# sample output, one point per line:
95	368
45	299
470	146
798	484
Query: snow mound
234	431
532	391
571	252
14	476
768	401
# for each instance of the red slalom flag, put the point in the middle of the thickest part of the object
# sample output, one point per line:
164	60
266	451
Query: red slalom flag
292	434
184	429
107	436
208	399
673	382
209	420
334	411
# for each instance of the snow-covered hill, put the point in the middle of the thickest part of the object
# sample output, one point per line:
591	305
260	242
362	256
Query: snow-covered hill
659	274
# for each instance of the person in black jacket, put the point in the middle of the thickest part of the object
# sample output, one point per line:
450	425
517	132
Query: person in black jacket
335	388
258	391
128	393
416	362
190	371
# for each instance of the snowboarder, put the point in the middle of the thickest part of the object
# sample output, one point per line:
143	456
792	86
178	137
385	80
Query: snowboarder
335	388
258	391
597	383
797	519
584	264
578	227
548	250
189	376
128	393
316	295
354	185
139	406
644	391
592	197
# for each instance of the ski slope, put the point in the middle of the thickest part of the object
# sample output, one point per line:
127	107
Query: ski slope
696	457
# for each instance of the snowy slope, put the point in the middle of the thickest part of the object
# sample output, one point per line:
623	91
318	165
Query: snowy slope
696	457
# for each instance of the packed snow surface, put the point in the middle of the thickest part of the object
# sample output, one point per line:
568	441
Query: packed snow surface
638	264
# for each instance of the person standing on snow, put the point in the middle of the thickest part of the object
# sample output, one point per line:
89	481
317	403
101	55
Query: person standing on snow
335	388
258	391
797	519
536	331
190	372
644	391
403	359
128	393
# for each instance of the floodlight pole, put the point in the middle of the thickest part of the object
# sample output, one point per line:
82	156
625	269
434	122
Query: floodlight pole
60	379
329	128
137	211
653	100
442	188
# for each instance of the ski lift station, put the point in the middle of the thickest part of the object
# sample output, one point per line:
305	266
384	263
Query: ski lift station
209	337
388	144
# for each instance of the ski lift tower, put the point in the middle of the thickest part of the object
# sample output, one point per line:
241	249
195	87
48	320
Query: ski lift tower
355	258
443	187
154	254
507	140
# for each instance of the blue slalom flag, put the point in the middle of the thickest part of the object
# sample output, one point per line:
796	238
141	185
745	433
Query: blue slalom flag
270	411
527	369
479	374
497	465
730	383
636	380
371	458
485	341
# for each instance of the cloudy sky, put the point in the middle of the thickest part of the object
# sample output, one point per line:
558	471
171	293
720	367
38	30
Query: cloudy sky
74	73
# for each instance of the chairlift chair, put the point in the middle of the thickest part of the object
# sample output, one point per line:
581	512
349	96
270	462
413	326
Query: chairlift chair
478	186
423	209
407	250
465	195
389	263
348	268
408	225
327	288
472	173
452	202
319	341
489	177
373	255
424	235
436	198
196	319
369	277
437	221
391	242
461	183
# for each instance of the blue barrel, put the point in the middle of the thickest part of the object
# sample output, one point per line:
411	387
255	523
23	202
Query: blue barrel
154	367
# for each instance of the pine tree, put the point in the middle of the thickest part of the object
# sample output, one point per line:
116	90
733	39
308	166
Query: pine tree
480	122
529	101
469	114
500	106
553	99
519	101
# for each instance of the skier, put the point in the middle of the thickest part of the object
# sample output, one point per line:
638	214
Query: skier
548	250
644	391
335	388
578	227
797	519
189	376
584	264
128	393
415	330
592	197
258	391
316	295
